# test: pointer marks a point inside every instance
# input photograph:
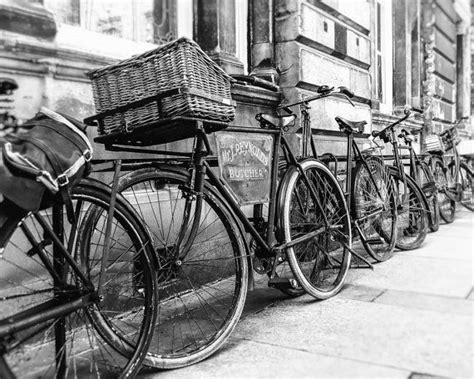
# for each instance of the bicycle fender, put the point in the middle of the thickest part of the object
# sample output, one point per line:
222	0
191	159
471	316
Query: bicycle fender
394	172
466	167
281	191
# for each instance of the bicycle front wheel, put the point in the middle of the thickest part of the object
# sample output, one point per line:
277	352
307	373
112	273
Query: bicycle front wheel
467	187
107	338
412	214
202	269
447	206
428	186
314	203
374	208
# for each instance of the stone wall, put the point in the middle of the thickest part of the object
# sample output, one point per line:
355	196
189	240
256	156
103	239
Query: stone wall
316	45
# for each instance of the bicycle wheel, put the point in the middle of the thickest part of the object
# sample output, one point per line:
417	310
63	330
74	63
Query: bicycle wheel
412	214
202	272
428	187
88	341
466	178
320	264
447	206
374	208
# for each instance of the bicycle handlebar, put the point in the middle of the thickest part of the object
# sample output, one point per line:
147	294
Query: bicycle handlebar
382	133
323	91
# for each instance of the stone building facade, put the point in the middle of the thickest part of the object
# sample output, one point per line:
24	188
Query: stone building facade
390	53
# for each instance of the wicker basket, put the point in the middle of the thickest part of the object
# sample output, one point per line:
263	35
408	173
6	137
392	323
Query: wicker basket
450	138
433	144
204	88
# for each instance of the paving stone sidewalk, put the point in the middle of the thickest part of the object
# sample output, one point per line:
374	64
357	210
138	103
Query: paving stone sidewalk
412	317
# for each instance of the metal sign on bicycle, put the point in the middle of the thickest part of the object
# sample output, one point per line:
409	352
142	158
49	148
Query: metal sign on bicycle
245	164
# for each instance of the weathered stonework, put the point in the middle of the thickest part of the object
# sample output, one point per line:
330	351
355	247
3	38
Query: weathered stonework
429	82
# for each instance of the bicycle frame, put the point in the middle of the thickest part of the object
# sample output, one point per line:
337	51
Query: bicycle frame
353	151
269	247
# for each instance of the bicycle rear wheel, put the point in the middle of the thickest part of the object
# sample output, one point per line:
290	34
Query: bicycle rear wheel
428	186
374	208
202	269
466	178
108	337
321	263
447	206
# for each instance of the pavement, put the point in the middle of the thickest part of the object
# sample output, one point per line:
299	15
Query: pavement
412	317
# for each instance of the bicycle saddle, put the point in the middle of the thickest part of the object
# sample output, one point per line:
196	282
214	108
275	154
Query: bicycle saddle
351	126
267	120
406	135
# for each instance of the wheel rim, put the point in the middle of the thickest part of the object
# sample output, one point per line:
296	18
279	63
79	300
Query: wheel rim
321	263
375	196
445	204
85	352
200	279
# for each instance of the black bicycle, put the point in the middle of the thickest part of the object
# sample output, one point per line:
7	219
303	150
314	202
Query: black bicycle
294	227
76	300
453	176
413	207
421	172
368	188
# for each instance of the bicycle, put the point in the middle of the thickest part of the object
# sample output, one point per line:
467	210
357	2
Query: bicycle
412	204
198	227
368	189
77	300
421	172
453	178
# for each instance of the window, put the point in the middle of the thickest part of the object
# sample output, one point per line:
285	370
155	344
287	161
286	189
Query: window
132	20
241	31
383	54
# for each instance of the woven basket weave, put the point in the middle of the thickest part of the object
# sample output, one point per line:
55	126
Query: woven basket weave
433	144
450	138
180	64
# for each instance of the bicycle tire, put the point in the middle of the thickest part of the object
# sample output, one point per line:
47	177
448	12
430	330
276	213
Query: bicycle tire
213	274
447	206
378	233
427	183
90	350
412	222
320	264
467	187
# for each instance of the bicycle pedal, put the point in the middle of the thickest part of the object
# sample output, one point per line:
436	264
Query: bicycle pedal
283	283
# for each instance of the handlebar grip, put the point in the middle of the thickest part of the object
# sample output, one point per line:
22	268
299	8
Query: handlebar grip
346	91
375	133
417	110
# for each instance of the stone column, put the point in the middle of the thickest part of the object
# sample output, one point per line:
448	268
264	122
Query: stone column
261	19
463	76
214	31
429	83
